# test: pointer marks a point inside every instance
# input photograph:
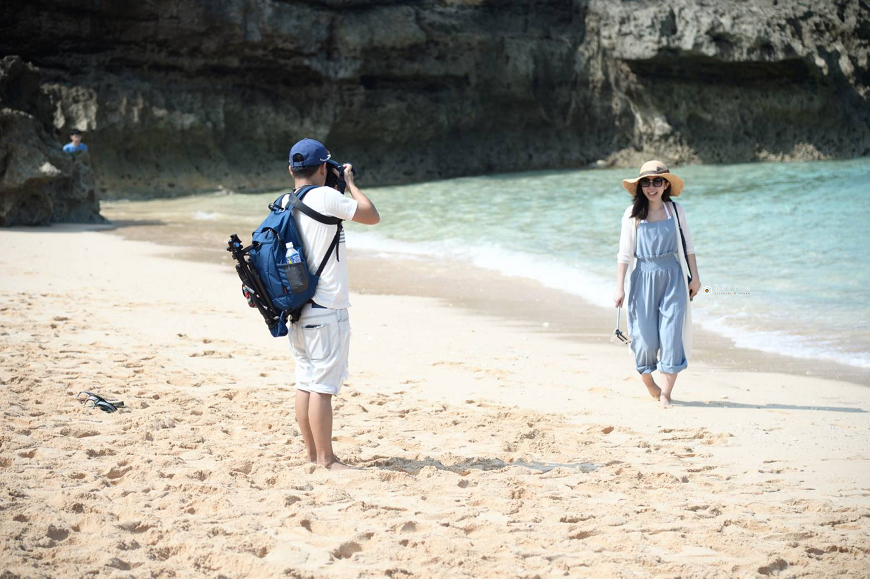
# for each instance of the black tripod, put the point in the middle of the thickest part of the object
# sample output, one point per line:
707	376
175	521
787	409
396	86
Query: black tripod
252	286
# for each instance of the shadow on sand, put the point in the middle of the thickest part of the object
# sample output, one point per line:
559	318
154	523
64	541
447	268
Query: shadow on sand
463	467
726	404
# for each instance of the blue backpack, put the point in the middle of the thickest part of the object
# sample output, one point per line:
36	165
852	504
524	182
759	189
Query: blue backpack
274	269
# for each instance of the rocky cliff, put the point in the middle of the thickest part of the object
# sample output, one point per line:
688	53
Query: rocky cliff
740	81
39	183
177	96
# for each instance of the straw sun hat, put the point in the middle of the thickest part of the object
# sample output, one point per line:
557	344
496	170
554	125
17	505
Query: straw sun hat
653	169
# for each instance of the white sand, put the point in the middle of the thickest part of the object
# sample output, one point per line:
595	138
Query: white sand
452	418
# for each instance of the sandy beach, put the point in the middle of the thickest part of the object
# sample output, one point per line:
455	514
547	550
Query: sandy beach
486	444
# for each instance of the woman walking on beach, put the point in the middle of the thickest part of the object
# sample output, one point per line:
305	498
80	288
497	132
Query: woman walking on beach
652	252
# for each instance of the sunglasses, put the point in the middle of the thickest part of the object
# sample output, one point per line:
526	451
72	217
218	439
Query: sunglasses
97	401
656	182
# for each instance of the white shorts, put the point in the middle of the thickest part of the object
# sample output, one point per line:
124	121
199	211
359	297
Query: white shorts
320	341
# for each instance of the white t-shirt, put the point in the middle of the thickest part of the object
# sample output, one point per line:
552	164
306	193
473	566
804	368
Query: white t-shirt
332	289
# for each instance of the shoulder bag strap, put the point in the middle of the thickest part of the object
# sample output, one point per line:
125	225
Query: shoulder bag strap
682	237
334	246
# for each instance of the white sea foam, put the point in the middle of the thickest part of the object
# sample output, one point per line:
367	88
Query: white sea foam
548	271
776	341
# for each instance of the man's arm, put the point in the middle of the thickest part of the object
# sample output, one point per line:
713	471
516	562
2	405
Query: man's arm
366	213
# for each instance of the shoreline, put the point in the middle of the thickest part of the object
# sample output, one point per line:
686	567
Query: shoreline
491	293
485	447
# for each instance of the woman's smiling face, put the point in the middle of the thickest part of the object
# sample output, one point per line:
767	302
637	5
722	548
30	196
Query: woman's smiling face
653	188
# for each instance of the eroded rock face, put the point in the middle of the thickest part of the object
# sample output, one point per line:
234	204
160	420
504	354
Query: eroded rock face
181	96
39	183
742	81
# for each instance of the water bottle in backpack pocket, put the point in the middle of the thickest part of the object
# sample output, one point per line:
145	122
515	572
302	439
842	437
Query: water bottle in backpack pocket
294	269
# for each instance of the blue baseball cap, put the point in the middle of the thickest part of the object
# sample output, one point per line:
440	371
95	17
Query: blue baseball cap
308	153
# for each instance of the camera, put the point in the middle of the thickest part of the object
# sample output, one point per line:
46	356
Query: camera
335	176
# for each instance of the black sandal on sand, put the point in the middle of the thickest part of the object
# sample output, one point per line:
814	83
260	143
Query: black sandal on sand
99	402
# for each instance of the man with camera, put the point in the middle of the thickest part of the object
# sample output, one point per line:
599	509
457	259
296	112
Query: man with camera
320	340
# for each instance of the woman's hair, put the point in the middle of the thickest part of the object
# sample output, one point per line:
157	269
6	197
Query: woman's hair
640	209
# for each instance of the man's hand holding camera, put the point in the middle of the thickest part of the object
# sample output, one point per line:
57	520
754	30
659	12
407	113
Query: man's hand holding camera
365	211
348	173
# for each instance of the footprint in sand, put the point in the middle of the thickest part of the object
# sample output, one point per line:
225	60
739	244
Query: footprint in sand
349	548
84	433
200	475
773	568
91	453
118	471
210	354
575	518
135	526
580	535
346	550
119	564
408	527
56	533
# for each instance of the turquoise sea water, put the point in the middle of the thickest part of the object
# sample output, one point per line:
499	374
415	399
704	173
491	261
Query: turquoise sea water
781	246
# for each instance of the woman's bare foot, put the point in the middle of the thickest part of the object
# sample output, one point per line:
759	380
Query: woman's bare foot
665	401
668	390
651	385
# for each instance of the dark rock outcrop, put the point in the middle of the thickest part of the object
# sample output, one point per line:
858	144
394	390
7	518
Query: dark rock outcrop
39	183
741	81
181	96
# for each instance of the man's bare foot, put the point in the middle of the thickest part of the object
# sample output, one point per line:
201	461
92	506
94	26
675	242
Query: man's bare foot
337	465
664	401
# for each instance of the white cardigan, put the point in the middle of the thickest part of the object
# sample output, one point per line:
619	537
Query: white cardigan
627	249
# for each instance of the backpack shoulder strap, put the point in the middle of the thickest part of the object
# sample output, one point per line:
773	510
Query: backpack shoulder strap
296	202
301	191
283	201
280	204
325	219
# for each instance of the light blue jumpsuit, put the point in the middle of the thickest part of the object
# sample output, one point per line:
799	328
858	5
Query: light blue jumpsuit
657	299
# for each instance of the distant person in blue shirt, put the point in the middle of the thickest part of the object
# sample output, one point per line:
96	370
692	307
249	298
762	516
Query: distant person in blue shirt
75	145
